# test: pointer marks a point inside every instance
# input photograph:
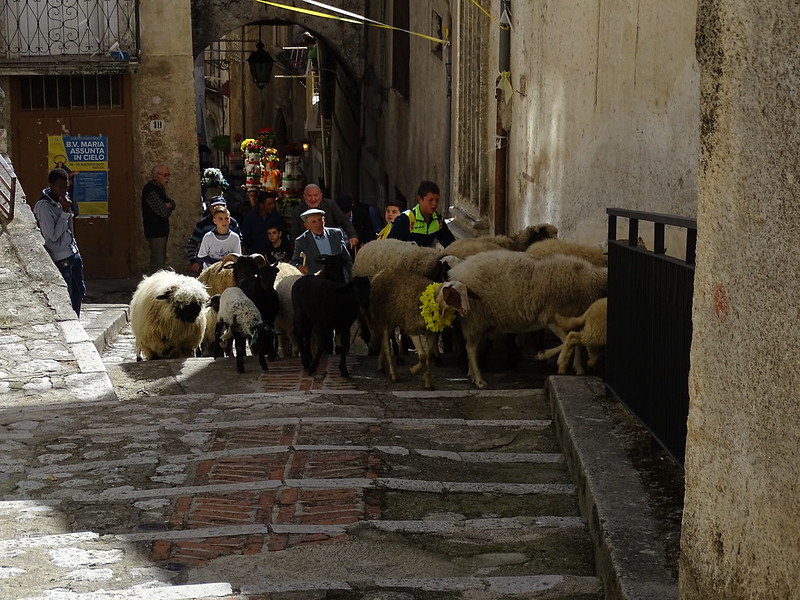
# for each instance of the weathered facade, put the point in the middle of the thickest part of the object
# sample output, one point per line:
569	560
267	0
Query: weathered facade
741	536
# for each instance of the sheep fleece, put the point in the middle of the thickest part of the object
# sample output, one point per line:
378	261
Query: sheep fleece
390	253
518	293
158	332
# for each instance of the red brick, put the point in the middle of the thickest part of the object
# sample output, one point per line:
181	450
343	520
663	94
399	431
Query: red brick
288	495
285	514
277	542
253	544
160	550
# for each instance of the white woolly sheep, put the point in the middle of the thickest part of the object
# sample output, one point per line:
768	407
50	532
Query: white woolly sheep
589	330
594	255
166	316
519	242
238	317
284	320
395	302
518	294
391	253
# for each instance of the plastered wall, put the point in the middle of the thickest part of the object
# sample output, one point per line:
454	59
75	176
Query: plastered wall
605	112
741	533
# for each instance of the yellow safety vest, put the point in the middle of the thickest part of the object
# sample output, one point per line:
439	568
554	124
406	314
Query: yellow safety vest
418	224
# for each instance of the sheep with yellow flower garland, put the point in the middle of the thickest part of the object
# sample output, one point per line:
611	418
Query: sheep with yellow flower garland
420	307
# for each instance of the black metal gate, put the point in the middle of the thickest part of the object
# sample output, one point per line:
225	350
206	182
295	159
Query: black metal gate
650	326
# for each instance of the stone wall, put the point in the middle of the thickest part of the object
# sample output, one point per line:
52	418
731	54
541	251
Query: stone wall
163	87
740	526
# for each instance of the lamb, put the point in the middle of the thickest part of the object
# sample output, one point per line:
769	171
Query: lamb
594	255
395	302
238	317
519	294
589	330
322	306
256	278
391	253
519	242
166	316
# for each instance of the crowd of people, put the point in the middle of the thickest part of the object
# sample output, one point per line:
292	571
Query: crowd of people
316	226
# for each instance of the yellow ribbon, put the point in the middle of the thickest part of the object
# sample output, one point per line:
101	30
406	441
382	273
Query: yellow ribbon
358	20
486	12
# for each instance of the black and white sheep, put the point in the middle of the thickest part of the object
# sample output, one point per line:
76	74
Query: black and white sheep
256	278
321	307
520	294
518	242
238	318
395	303
166	313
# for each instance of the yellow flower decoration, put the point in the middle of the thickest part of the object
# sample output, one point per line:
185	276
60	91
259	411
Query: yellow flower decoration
246	143
435	320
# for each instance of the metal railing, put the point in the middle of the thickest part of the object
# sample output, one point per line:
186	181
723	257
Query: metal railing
36	31
650	326
8	190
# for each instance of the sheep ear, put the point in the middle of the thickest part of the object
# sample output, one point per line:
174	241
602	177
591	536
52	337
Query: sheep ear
472	295
165	296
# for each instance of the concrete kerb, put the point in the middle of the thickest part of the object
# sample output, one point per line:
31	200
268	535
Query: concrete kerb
629	555
103	322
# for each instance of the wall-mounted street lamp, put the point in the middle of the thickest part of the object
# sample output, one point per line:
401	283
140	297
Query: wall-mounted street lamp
260	65
306	145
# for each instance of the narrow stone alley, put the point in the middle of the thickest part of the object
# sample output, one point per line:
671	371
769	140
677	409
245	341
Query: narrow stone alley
203	483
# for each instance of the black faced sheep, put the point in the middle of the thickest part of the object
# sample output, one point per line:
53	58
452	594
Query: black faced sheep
519	294
239	318
395	300
519	242
166	316
322	307
256	278
589	330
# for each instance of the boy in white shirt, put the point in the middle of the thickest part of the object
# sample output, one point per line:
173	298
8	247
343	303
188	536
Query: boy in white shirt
220	241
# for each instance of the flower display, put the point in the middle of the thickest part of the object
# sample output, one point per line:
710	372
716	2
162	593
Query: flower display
249	145
213	177
435	320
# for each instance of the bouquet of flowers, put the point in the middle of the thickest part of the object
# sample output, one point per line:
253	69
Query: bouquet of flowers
250	145
213	177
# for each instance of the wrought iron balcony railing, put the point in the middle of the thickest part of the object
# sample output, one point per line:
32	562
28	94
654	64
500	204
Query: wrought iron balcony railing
58	31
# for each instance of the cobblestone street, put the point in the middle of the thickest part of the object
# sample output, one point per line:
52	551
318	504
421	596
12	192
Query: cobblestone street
203	483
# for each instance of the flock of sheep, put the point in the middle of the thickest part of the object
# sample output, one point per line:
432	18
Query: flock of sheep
494	284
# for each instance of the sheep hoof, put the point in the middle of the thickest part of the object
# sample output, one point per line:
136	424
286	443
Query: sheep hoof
480	384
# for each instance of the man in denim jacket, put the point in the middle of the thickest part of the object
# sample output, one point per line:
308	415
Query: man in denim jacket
54	213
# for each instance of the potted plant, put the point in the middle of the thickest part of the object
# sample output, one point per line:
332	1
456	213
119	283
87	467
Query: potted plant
221	143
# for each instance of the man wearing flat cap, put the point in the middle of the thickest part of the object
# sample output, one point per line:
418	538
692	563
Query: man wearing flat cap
317	240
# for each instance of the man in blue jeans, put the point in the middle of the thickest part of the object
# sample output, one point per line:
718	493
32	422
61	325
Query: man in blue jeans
54	212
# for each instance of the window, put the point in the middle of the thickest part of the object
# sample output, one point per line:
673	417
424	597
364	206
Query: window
401	47
71	92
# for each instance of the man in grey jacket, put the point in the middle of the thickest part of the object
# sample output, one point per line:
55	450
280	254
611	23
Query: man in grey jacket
318	240
54	213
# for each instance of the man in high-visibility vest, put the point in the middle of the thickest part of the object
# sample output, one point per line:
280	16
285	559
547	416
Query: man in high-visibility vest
422	224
